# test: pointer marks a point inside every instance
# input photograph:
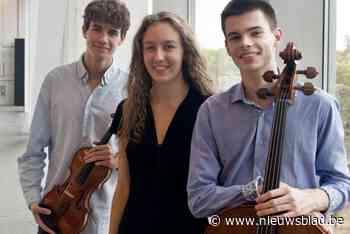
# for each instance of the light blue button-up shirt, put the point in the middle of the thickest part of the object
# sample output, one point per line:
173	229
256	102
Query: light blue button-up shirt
230	146
69	115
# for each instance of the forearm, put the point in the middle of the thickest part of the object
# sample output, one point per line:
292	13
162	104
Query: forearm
120	196
319	199
332	165
207	194
206	200
31	164
31	173
337	195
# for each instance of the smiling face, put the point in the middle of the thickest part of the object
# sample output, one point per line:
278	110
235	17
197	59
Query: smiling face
101	41
163	53
251	42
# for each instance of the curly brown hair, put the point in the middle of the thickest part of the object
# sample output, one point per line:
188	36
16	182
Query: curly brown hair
140	83
113	12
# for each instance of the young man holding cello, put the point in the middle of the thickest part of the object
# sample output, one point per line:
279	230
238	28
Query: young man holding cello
231	138
74	110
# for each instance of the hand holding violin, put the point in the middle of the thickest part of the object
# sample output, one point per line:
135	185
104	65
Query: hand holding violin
102	155
37	211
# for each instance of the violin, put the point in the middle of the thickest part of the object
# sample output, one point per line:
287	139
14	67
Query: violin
69	202
283	90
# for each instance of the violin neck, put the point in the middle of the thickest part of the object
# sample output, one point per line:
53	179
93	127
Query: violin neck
87	168
275	155
105	138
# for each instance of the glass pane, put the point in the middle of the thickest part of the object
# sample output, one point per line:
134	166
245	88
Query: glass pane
208	30
343	64
343	84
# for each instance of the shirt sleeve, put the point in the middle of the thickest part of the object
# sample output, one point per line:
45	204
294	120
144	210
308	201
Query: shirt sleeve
31	164
205	194
332	166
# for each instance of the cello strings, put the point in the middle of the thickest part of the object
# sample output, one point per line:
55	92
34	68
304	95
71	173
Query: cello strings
274	159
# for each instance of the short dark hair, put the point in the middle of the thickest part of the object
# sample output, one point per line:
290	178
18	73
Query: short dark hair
239	7
113	12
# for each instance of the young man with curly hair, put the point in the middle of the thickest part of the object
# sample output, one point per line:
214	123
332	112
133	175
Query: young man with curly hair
73	110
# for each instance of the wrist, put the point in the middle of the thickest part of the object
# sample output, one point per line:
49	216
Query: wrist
250	191
30	206
320	199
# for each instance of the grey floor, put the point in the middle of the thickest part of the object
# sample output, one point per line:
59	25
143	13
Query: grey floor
15	218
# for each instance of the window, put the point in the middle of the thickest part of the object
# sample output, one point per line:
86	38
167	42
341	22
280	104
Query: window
221	68
343	83
343	65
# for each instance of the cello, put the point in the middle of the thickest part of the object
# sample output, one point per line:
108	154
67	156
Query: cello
69	202
282	91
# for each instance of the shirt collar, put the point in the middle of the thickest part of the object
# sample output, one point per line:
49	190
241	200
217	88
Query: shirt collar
237	93
107	76
81	70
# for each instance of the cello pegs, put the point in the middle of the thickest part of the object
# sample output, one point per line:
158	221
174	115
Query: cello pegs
310	72
297	55
263	93
269	76
308	88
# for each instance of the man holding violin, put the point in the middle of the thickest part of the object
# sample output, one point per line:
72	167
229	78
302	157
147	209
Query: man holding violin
74	110
231	138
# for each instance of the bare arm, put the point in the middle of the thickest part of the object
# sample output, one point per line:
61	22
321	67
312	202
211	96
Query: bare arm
121	194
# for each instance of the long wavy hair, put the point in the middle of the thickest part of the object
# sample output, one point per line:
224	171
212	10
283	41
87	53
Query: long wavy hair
139	84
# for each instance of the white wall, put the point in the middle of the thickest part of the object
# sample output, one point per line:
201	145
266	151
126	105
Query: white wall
180	7
138	9
46	43
302	23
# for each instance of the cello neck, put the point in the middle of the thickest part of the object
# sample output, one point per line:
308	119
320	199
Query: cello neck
275	154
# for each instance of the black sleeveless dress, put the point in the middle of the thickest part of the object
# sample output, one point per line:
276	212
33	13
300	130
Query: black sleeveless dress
158	176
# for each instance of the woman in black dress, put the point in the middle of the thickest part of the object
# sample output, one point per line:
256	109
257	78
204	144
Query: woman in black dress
167	84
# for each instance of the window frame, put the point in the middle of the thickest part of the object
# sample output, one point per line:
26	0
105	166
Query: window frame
329	56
